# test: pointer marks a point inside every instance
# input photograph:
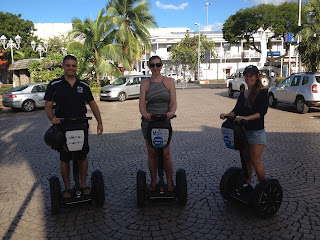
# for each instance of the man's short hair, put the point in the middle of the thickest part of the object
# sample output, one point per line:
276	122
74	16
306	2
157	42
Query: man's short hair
69	57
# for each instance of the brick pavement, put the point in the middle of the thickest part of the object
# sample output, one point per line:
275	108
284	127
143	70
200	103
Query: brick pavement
291	155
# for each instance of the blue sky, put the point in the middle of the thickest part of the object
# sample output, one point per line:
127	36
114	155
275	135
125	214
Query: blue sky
168	13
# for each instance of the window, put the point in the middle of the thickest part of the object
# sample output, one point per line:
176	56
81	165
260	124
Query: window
318	79
305	80
286	81
295	81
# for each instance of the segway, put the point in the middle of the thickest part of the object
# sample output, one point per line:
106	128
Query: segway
75	132
159	136
266	197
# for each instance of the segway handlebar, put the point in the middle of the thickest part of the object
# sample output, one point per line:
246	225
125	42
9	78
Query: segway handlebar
159	117
243	122
75	119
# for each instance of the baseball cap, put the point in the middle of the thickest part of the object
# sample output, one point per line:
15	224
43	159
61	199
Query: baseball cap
251	68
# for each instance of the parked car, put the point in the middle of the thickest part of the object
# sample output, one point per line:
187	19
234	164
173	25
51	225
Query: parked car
176	77
25	97
123	88
300	89
238	84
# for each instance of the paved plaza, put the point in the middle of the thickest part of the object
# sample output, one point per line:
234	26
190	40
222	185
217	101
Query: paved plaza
292	155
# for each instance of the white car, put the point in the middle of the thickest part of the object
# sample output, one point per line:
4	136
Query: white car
300	89
175	76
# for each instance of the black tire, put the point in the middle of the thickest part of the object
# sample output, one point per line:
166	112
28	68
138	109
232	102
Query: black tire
229	181
230	91
122	97
242	88
272	100
141	188
267	198
97	188
266	82
181	186
301	105
55	194
28	106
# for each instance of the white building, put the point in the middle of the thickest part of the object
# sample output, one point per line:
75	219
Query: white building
228	57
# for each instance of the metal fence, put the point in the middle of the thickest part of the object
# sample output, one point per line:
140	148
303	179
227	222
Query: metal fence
181	84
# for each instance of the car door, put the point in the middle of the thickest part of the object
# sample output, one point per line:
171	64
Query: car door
282	89
38	93
293	89
132	88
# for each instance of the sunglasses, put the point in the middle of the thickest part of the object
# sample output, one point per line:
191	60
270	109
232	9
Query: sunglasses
152	65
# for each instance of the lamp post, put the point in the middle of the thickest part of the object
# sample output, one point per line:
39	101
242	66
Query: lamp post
11	44
298	62
64	50
264	36
40	48
198	51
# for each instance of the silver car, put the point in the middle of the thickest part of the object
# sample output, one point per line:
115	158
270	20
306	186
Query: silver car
123	88
26	97
300	89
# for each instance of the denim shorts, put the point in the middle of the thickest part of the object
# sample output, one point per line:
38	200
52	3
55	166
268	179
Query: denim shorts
256	136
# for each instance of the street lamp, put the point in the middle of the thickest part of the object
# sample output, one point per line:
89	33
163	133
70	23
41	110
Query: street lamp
11	44
198	51
64	50
264	36
40	48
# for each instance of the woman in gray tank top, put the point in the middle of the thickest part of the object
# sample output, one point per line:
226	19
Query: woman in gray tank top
157	96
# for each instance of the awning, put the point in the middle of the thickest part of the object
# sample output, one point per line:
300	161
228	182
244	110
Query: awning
21	64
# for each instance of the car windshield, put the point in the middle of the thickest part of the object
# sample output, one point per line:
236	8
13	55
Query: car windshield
119	81
318	79
17	89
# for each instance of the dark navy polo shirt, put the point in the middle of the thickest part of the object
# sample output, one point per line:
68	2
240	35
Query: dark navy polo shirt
260	106
70	101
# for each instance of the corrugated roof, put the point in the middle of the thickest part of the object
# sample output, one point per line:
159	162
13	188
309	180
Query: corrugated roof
21	64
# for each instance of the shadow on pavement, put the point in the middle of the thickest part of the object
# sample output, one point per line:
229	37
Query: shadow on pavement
27	163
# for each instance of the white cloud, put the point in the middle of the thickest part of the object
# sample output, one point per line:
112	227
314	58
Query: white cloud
172	7
275	2
217	26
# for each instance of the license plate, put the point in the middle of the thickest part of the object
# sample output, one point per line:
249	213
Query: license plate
104	94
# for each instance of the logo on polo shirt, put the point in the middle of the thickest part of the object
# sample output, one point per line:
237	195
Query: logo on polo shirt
79	89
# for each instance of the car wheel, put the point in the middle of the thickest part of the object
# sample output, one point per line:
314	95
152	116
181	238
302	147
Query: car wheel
28	106
266	82
301	105
230	91
228	181
242	88
55	194
267	198
272	101
122	97
97	187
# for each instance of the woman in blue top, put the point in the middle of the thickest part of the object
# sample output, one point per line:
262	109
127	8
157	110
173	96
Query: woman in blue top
252	105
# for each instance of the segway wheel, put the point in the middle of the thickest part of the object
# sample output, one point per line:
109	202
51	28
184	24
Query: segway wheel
181	188
97	188
141	187
229	181
267	198
55	194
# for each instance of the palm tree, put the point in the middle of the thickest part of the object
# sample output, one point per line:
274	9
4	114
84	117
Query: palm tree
130	19
98	47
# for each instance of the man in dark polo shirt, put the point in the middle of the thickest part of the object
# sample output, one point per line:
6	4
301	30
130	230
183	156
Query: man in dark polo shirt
71	96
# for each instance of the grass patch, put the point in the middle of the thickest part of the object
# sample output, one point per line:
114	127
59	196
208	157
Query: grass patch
4	88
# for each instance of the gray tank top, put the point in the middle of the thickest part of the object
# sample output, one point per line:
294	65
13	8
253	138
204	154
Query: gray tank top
158	98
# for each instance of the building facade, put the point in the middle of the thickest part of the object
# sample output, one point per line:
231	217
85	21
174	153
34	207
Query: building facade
229	57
